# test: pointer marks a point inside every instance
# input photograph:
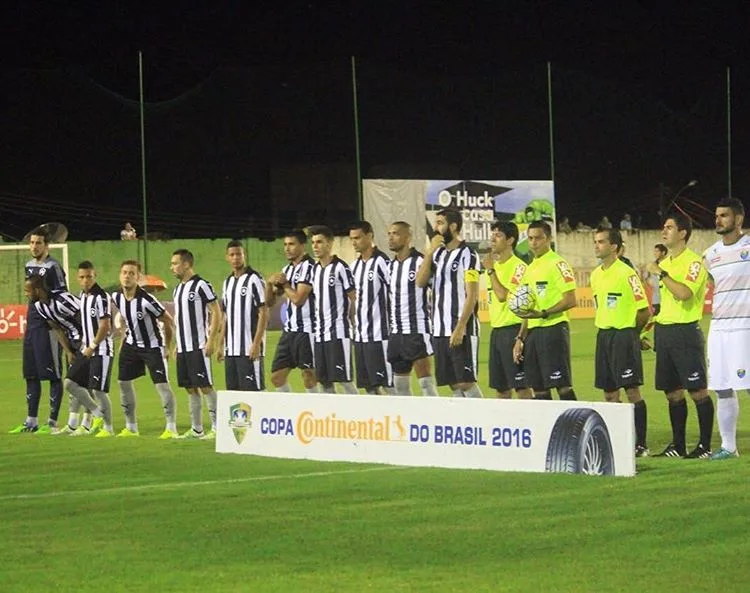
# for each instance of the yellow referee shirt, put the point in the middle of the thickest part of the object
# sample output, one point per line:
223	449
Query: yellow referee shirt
510	274
549	277
688	269
618	296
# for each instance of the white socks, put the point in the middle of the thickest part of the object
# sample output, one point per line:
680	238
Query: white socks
727	412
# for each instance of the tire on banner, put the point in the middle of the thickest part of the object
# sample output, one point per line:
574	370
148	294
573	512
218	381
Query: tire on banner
580	444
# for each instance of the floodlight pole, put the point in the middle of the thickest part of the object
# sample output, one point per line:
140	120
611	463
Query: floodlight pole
551	124
729	132
143	165
360	205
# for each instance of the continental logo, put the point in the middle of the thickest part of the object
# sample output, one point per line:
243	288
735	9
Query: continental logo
385	428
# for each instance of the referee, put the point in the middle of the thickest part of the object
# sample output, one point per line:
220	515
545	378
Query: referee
505	272
678	338
621	314
544	340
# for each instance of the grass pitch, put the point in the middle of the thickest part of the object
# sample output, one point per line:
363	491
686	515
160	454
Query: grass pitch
147	515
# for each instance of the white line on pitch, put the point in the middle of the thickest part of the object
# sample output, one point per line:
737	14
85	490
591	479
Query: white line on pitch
177	485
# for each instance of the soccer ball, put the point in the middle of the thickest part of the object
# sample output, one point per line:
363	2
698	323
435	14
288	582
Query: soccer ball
522	300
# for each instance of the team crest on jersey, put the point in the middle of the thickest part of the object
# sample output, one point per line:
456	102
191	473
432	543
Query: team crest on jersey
412	275
693	271
42	271
743	254
565	271
518	274
243	290
636	287
331	281
370	275
139	315
454	266
296	276
741	373
191	296
92	312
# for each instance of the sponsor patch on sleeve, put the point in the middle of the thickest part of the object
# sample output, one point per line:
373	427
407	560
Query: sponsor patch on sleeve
566	272
518	274
693	271
471	275
636	287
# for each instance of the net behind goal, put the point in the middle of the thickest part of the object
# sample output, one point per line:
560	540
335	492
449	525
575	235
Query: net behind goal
13	258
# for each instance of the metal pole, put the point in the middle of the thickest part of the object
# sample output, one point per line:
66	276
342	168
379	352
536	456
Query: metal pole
551	124
143	166
360	204
729	131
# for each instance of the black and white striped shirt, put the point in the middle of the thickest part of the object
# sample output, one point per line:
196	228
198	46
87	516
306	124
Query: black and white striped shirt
331	286
410	307
191	299
300	318
241	300
140	314
451	269
371	280
95	305
54	279
63	309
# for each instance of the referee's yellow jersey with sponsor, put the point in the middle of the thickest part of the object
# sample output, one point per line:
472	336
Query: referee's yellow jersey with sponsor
549	277
618	296
510	274
688	269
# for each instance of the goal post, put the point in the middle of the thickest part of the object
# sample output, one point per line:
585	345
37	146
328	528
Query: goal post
13	258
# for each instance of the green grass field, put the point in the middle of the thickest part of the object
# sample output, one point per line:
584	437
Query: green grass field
148	515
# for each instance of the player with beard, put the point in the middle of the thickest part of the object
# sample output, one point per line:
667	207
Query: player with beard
727	262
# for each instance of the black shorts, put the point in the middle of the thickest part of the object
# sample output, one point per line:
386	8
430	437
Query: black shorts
618	359
680	357
244	374
294	351
404	349
194	369
455	365
42	355
134	361
504	373
546	357
372	369
333	361
91	373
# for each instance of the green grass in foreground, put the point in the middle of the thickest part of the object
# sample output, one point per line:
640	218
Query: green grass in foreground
146	515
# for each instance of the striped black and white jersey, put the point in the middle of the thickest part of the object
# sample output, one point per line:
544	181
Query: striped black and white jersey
141	317
409	304
300	318
451	269
371	280
54	279
63	309
191	300
331	285
95	306
242	297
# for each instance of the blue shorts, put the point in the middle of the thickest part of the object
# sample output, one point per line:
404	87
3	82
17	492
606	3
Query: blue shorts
42	355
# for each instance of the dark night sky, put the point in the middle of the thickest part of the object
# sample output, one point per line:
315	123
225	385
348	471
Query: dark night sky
645	72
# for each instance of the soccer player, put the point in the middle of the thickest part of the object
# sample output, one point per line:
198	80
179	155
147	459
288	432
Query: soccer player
296	345
505	271
454	269
198	321
61	312
678	338
371	271
409	343
660	252
92	368
544	340
41	351
243	334
729	333
143	347
621	313
333	286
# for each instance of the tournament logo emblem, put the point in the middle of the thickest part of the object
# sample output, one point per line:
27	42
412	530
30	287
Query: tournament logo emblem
239	420
743	254
741	373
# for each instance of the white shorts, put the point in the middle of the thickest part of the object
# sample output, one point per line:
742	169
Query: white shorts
729	359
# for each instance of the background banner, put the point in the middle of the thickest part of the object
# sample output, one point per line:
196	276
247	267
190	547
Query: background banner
506	435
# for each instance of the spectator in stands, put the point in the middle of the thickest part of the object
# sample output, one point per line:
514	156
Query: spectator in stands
564	226
583	228
604	223
128	233
626	224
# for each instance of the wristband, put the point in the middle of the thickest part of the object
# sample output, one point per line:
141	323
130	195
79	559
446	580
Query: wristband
544	314
664	274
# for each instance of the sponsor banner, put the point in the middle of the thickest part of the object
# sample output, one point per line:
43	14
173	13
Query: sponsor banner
12	321
505	435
